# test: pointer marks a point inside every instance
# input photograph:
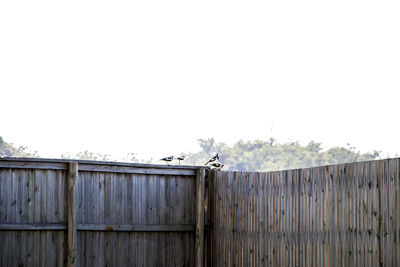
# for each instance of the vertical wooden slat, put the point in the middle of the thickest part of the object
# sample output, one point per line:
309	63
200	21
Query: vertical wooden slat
240	217
325	216
224	187
362	230
396	229
162	213
370	186
351	226
247	220
131	217
273	224
215	237
316	215
291	220
84	238
343	216
96	187
224	218
356	214
231	225
281	218
168	218
149	219
256	236
393	207
3	216
224	226
251	218
262	220
397	211
210	219
257	217
174	218
199	243
293	215
72	232
188	220
112	236
50	206
23	198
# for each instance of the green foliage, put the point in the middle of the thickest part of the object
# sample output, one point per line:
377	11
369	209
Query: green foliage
9	150
259	155
132	157
87	155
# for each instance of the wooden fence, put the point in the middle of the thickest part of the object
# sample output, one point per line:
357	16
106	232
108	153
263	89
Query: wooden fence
341	215
85	213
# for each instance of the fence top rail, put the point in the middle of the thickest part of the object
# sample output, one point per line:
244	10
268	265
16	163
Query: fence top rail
91	165
346	164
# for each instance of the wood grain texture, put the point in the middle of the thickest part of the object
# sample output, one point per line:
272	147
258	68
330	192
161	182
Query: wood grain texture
72	210
199	246
142	215
339	215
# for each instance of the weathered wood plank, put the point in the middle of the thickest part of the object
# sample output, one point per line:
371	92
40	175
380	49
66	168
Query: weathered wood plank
32	165
44	161
32	227
199	246
123	169
72	231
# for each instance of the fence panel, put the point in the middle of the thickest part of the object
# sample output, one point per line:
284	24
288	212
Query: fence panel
126	214
339	215
32	200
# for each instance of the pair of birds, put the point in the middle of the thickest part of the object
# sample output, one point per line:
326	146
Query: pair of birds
171	158
213	162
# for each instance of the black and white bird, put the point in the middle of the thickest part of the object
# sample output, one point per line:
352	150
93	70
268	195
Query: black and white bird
213	159
180	158
168	159
217	165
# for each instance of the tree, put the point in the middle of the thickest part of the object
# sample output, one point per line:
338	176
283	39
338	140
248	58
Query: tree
9	150
132	157
260	155
87	155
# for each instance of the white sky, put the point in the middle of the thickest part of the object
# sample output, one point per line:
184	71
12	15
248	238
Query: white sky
151	77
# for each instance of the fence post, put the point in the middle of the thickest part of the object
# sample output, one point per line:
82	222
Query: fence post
199	246
71	201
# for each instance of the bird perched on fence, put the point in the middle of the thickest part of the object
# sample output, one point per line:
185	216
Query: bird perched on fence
168	159
217	165
213	159
180	158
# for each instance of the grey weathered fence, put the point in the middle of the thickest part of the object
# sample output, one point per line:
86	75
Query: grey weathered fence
85	213
341	215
